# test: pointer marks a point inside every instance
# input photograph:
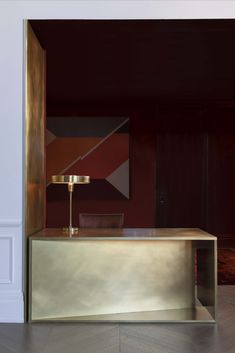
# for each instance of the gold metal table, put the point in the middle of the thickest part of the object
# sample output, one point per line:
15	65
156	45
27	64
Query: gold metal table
123	275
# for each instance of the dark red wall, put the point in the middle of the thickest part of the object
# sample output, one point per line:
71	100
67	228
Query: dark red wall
196	170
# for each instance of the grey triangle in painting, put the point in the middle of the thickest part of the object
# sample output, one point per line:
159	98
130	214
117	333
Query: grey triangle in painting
50	137
120	178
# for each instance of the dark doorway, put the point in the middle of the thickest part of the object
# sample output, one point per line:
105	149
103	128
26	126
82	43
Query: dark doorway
181	171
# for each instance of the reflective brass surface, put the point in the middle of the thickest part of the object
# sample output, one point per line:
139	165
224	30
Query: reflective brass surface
34	134
98	277
118	278
70	180
73	179
70	230
198	314
207	274
129	233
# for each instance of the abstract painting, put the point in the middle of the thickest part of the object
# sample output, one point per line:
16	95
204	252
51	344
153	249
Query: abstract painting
94	146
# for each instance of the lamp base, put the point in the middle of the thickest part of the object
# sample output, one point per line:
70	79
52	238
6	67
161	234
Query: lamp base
70	230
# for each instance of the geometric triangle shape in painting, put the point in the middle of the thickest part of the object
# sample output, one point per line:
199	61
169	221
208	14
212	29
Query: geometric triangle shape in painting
84	126
124	128
98	189
105	159
49	137
120	178
64	152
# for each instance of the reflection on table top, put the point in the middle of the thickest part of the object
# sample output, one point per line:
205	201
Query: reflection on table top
125	234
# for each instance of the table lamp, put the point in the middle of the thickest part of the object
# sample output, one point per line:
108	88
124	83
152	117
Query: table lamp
70	180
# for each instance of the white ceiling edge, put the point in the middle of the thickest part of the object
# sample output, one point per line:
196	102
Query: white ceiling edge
144	1
118	9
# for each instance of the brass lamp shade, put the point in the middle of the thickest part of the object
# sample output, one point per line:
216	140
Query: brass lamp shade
70	180
74	179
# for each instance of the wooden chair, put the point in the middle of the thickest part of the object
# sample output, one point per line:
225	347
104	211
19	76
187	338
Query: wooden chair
94	220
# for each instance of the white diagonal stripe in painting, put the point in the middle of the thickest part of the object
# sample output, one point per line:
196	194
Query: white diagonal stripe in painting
105	138
68	166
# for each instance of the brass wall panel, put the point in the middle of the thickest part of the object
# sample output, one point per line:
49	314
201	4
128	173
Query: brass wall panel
197	314
127	234
80	278
207	274
34	133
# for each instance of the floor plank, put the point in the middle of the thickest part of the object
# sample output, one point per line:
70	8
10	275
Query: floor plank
87	338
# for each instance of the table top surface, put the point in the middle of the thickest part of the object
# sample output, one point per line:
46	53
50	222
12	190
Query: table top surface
124	234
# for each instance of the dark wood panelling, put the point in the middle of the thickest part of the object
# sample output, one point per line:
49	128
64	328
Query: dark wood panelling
196	170
226	240
221	177
180	184
180	172
90	61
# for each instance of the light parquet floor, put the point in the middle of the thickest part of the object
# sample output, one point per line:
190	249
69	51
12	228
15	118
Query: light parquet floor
126	338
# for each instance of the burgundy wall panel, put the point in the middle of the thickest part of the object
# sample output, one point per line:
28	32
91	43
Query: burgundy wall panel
180	180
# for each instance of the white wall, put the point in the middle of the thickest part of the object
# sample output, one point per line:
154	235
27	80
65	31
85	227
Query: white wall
12	14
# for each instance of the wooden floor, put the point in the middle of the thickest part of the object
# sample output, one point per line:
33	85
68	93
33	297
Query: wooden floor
126	338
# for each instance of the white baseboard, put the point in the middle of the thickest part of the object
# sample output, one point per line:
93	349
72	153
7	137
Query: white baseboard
11	307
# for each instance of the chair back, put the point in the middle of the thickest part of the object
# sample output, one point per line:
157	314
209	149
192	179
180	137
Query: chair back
94	220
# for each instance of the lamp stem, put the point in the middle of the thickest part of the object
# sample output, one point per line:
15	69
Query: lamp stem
70	189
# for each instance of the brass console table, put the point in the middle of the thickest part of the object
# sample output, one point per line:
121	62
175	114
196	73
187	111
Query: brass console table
123	275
